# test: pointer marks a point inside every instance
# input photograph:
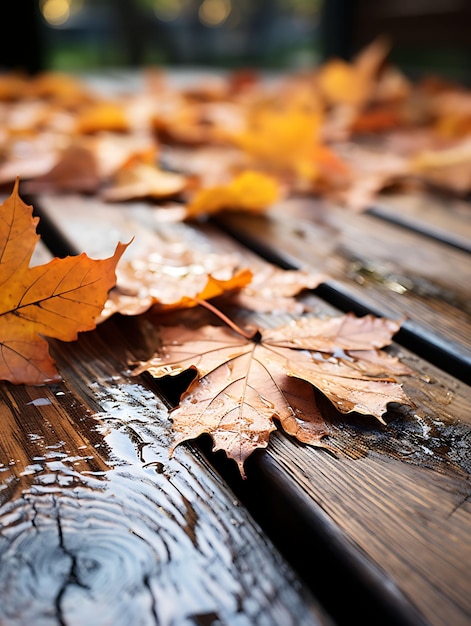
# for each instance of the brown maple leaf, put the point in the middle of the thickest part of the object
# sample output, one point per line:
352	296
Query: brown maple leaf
449	168
140	179
58	299
370	171
143	283
245	382
272	290
28	158
75	170
175	277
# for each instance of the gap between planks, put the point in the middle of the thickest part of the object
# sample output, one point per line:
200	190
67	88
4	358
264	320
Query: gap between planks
408	481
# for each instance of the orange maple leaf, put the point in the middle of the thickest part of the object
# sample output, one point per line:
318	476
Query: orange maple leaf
245	381
249	191
58	299
353	83
167	283
58	87
101	116
282	140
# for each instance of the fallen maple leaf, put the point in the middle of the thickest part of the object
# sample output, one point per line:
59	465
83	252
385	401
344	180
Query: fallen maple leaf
75	170
209	165
245	382
348	87
272	290
139	179
114	151
369	172
12	86
353	83
99	116
449	168
145	283
249	191
283	140
58	299
28	159
59	87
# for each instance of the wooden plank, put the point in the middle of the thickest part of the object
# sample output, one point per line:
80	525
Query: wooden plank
375	265
437	215
98	525
391	511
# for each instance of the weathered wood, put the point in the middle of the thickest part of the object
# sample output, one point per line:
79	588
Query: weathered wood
391	510
98	525
437	215
376	265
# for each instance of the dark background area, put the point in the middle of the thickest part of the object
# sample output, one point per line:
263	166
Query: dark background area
428	36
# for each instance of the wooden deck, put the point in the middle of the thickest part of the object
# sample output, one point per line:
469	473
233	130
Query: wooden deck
99	526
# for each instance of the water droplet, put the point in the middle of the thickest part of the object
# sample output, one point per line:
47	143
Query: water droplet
39	402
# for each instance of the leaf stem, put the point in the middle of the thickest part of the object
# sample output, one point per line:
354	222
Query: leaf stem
226	320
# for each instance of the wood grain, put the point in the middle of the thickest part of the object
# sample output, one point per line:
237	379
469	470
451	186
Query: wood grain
437	215
99	526
374	264
390	509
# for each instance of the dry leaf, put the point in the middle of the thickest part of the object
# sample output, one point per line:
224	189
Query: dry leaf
58	87
143	180
449	168
28	158
282	140
249	191
376	119
370	171
115	151
75	170
288	128
195	124
58	299
173	279
353	83
272	290
209	165
102	116
244	384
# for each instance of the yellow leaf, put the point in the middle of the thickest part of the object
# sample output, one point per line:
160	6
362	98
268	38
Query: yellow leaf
352	83
249	191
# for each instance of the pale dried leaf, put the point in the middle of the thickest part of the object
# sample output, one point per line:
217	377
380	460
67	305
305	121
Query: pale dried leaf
242	385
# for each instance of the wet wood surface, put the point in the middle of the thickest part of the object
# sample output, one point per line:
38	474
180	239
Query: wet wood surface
435	214
376	266
391	509
99	526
